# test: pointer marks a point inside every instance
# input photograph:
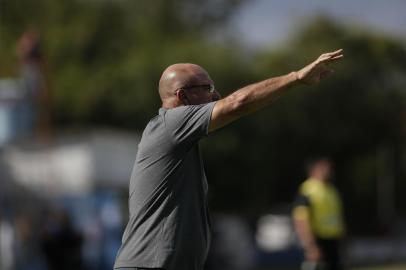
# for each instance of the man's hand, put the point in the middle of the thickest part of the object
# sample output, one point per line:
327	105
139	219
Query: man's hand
313	253
314	72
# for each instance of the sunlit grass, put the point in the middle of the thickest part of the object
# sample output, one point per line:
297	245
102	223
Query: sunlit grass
390	267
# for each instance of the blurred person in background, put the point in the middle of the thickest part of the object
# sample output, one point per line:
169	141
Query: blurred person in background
169	224
33	113
27	244
6	244
61	243
318	218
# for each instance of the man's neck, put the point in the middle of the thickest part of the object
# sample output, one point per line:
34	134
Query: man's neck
170	104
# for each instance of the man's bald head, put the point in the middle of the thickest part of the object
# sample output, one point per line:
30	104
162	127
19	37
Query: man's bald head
181	75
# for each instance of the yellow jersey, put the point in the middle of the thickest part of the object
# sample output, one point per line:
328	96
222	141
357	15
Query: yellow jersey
321	204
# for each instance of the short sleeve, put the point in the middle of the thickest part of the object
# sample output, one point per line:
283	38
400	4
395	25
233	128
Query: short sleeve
301	207
188	123
302	200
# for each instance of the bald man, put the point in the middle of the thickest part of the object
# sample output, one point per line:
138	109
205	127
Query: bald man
169	224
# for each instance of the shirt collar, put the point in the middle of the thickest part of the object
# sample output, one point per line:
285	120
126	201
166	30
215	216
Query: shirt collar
162	110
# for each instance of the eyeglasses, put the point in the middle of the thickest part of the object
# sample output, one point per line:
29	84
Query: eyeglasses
206	87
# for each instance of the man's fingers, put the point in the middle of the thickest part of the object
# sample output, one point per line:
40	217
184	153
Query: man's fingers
330	55
333	54
330	59
335	58
338	52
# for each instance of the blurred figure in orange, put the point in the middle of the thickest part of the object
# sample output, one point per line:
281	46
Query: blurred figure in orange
34	111
318	219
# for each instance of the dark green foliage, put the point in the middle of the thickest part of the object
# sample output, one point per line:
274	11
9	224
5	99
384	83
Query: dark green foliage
105	59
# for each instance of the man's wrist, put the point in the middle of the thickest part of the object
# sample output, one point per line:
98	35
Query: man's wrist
295	77
309	244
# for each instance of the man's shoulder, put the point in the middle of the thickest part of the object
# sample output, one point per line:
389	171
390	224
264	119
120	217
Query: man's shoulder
309	186
157	119
185	108
154	126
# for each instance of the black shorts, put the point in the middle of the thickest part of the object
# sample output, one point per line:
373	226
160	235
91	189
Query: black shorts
331	253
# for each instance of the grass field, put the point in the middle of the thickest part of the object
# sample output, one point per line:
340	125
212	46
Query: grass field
381	267
390	267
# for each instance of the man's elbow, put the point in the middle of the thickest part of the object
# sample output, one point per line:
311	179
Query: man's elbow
228	110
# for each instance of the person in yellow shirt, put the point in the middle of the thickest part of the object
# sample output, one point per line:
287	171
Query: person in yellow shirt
318	218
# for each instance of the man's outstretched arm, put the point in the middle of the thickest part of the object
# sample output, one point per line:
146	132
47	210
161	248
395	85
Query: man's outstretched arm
258	95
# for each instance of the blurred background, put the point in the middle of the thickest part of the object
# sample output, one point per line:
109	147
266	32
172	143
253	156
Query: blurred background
78	82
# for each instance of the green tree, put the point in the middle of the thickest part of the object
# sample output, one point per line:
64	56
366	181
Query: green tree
349	117
106	57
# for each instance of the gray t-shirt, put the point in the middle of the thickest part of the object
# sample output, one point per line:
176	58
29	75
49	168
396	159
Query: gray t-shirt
169	224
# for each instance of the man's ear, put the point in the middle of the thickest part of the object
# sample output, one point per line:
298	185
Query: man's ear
180	94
